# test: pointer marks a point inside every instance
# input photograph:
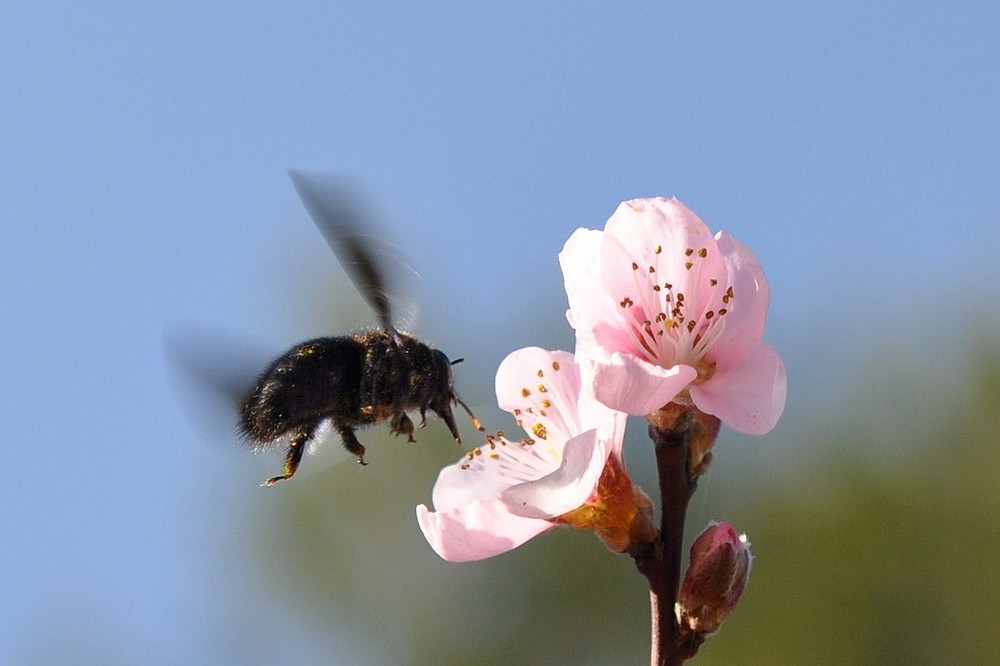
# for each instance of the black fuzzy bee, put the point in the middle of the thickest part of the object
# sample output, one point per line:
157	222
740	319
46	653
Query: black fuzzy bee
348	381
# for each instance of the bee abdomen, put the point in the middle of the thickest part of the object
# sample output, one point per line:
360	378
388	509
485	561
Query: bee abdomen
312	381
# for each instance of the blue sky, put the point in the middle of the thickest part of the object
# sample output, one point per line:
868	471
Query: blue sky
143	149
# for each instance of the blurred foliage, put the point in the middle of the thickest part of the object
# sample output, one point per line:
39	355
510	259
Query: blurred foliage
861	557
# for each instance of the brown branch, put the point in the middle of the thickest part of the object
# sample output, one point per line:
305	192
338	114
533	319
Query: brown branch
673	436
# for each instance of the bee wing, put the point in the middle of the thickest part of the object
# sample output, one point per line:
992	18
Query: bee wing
338	213
212	373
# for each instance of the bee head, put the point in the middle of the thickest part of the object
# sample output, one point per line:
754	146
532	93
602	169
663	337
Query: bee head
442	371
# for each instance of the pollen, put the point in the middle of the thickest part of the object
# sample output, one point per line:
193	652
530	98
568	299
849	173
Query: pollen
495	456
542	389
666	326
540	432
541	374
546	403
525	393
555	365
635	266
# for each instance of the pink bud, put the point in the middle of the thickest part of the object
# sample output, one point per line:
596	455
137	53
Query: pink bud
715	579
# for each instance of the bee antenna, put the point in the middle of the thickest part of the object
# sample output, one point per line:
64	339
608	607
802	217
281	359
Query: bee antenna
457	361
476	422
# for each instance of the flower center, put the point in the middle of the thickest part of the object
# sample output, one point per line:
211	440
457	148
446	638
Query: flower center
670	326
546	414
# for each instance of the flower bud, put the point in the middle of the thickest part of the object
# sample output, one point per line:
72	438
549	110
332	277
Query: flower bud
715	579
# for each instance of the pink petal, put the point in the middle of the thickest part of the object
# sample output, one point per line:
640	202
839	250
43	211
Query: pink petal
631	385
748	388
748	311
457	484
565	489
476	531
580	261
518	372
644	225
542	387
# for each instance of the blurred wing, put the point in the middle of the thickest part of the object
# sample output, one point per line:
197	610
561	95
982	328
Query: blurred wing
212	374
335	209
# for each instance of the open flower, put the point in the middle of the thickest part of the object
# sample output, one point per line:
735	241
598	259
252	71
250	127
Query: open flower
666	312
505	492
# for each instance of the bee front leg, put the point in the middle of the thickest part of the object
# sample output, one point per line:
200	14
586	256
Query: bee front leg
449	420
293	457
402	425
350	441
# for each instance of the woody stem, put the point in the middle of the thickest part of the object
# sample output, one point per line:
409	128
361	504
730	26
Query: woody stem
661	564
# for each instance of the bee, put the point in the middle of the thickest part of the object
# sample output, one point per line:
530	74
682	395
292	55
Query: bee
351	381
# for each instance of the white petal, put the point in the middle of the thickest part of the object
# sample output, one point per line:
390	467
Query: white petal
565	489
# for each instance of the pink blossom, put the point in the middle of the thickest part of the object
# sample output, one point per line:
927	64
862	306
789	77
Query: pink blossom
505	492
666	312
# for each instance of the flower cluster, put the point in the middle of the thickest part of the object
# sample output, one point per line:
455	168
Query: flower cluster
667	316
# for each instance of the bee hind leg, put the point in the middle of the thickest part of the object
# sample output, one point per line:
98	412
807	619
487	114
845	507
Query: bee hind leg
292	459
350	441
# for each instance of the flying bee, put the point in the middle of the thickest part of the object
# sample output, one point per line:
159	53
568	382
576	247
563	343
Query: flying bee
348	381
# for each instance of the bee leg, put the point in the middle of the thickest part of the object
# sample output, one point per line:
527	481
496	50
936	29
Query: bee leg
292	458
350	441
402	425
449	420
423	417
